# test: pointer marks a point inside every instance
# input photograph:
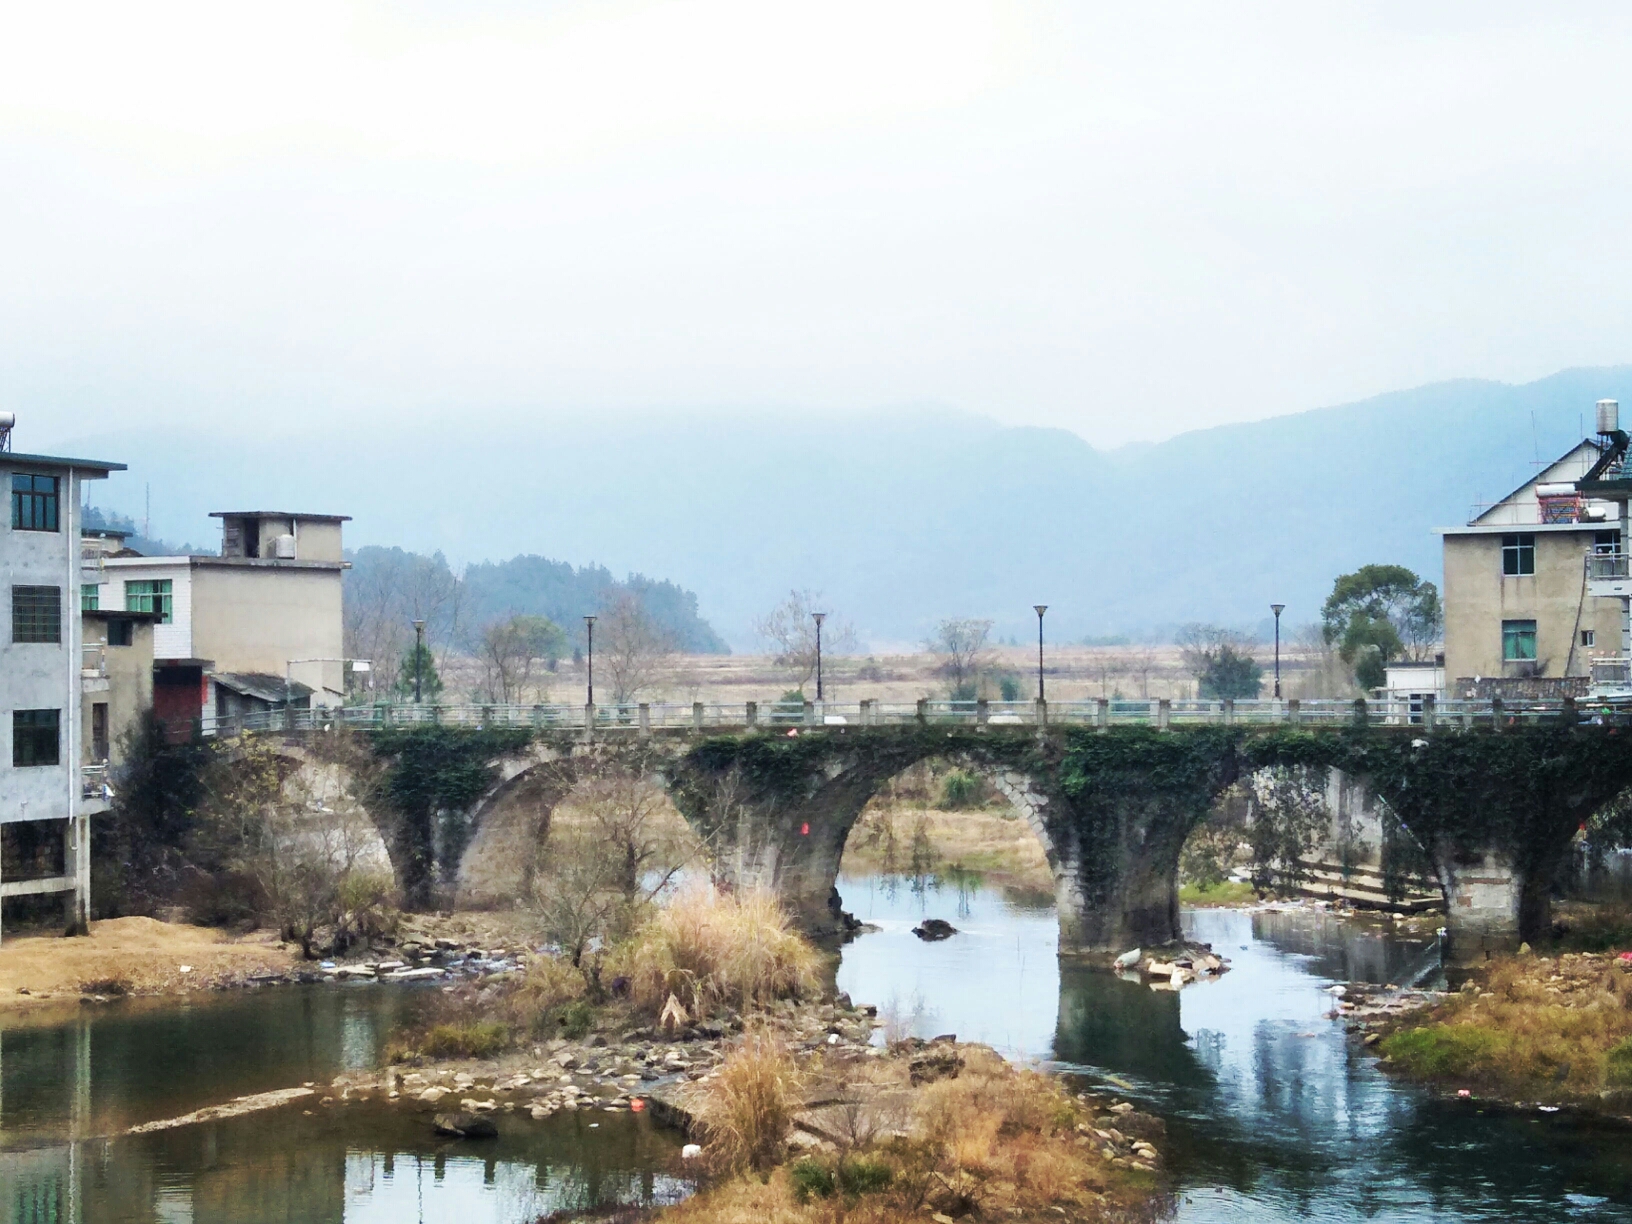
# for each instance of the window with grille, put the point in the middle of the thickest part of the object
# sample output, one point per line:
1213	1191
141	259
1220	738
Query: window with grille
1589	637
33	502
36	614
149	595
90	597
1518	555
1518	641
35	737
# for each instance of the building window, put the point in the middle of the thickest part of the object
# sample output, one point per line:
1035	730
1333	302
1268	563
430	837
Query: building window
1518	641
1518	555
33	502
1589	637
34	737
151	595
90	597
120	632
1606	543
36	614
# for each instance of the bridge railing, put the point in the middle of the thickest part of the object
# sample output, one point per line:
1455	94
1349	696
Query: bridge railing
631	718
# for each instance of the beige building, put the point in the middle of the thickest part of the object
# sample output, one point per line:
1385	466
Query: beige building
116	678
259	625
1520	619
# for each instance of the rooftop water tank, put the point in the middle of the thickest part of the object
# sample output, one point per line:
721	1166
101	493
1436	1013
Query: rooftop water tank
284	547
1609	416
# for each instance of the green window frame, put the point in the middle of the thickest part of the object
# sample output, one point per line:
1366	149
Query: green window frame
1518	641
90	597
36	614
1518	556
150	595
36	738
34	502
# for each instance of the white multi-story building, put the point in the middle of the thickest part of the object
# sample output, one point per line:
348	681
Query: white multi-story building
41	677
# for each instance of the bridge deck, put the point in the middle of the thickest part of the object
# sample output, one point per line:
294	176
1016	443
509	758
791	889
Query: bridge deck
718	719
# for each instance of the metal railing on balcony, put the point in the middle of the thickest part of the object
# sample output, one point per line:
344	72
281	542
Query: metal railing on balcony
1607	565
93	660
1610	673
93	782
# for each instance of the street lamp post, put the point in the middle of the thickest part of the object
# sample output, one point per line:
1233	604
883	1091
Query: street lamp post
818	617
1040	608
589	659
419	656
1277	609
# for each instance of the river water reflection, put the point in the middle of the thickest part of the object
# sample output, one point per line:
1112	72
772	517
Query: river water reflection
1274	1114
68	1091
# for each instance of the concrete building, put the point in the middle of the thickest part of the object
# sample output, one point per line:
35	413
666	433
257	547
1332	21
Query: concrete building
41	677
1520	618
262	620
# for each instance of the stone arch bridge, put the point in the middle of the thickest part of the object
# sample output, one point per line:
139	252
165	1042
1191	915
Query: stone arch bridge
1491	798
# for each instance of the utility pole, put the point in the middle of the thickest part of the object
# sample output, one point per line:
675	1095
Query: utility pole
1277	609
1040	609
818	617
589	659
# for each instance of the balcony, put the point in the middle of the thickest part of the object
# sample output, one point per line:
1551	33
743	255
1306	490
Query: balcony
94	792
1611	676
1608	575
91	569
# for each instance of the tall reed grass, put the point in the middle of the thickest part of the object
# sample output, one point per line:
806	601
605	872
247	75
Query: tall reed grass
708	949
746	1111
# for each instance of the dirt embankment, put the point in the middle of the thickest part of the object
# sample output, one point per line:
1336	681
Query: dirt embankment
141	956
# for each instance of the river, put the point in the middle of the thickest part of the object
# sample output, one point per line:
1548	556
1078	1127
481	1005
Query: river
1274	1114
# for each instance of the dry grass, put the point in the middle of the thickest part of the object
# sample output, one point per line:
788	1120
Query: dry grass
994	1143
711	949
746	1110
990	840
1537	1028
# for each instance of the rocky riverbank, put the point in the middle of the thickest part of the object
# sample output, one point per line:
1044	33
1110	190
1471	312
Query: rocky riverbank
1526	1031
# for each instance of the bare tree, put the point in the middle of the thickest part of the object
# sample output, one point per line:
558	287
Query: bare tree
961	643
387	590
616	847
1105	664
511	652
790	630
633	648
1141	662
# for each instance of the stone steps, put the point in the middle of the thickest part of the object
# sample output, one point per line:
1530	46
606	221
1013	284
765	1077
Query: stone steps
1363	887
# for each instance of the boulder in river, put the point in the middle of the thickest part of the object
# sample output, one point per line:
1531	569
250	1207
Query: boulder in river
465	1126
933	929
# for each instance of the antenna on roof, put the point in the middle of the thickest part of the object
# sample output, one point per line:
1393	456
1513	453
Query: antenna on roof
8	422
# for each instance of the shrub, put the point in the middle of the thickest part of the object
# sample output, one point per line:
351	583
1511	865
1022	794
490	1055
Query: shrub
477	1039
961	790
710	948
1618	1065
864	1175
811	1179
1442	1051
747	1109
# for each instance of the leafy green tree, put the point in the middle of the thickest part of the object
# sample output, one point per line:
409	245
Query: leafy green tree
430	684
511	649
1380	613
1221	663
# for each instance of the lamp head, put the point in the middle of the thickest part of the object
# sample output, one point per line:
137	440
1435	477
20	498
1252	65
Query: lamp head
1277	609
1041	608
419	626
818	617
589	620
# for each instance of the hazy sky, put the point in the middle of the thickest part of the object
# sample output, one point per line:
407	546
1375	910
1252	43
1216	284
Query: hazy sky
1125	219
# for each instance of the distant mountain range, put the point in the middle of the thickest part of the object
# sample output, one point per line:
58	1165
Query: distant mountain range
904	518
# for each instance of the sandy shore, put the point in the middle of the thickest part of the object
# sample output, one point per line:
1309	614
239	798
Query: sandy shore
143	956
